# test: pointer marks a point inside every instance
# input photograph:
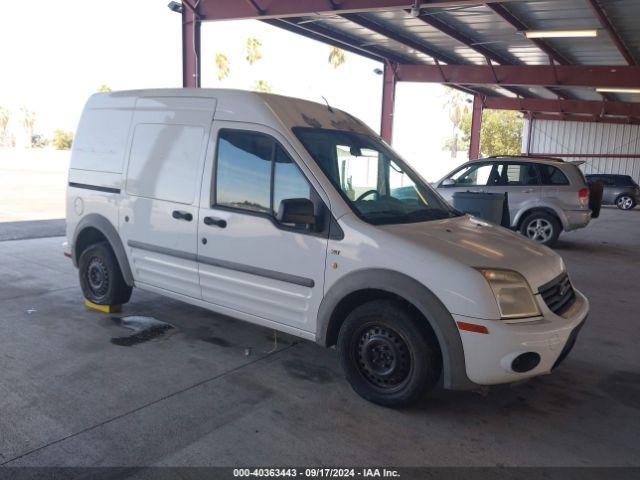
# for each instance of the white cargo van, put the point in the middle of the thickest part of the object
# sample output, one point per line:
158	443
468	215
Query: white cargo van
298	217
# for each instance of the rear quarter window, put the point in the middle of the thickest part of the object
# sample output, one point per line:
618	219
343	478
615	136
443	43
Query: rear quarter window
550	175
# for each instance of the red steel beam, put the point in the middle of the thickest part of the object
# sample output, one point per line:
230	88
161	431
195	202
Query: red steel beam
611	31
262	9
524	75
585	107
388	103
476	128
489	54
567	117
190	48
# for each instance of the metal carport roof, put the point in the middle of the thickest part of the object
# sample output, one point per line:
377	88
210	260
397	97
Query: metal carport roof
476	46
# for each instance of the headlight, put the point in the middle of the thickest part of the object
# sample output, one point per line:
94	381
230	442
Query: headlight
512	292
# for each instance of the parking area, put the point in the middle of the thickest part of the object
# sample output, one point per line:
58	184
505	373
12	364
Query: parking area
82	388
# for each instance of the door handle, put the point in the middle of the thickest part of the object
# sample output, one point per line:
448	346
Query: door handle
218	222
529	190
180	215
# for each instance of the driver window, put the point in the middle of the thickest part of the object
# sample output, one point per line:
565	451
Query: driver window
473	175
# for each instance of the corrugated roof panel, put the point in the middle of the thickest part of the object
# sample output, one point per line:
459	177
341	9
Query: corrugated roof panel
624	15
488	29
569	15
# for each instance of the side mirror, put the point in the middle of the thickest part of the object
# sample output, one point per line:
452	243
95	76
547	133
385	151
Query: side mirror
298	211
447	182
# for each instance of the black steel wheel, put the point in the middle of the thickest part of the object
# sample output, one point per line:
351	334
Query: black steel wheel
389	354
382	356
100	276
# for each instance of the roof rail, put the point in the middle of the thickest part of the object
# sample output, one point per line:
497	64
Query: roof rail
537	157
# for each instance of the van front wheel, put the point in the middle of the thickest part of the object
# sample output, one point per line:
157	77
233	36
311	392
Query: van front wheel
388	357
101	280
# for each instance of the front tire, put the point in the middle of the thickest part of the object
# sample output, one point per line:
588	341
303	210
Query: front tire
389	357
625	202
541	227
101	280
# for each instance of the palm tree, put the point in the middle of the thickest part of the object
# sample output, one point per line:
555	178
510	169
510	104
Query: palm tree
4	121
253	50
336	57
222	63
28	121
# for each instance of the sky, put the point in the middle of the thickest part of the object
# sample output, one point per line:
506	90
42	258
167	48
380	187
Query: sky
57	53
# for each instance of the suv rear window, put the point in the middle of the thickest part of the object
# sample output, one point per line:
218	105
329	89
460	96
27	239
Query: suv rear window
551	175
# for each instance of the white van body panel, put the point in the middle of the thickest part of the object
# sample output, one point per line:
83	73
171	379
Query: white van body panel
168	144
144	162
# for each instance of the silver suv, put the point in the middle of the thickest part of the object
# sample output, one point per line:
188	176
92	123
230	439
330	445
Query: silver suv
546	196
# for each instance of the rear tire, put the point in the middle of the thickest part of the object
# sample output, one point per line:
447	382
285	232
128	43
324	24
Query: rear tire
388	356
541	227
101	280
625	202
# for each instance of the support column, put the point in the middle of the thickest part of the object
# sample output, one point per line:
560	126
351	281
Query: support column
190	48
529	132
388	103
476	128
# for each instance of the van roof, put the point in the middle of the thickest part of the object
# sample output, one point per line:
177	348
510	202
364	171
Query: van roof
243	105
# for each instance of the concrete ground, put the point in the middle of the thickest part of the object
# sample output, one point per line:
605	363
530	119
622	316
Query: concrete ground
77	388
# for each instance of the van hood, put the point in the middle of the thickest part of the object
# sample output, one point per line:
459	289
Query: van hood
476	243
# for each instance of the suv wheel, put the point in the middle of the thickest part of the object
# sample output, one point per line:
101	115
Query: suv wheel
100	276
541	227
388	357
625	202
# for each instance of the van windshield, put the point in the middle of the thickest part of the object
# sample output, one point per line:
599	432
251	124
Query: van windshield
373	180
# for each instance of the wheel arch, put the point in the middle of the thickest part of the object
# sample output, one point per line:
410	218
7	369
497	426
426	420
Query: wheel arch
93	228
363	285
521	217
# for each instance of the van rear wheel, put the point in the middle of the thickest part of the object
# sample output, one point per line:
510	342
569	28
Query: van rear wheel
101	280
388	357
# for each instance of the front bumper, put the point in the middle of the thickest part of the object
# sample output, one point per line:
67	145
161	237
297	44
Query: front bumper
489	357
575	219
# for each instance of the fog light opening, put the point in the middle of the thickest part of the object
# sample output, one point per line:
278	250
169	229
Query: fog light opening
525	362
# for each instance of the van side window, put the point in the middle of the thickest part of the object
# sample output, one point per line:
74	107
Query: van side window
164	162
552	175
288	181
243	178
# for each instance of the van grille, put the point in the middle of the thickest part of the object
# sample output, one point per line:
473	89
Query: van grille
558	294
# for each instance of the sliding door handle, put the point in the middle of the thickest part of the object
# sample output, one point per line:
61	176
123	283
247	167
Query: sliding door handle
218	222
180	215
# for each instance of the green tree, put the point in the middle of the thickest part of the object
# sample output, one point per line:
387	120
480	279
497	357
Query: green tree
104	88
222	64
501	132
253	50
262	86
5	115
62	139
336	57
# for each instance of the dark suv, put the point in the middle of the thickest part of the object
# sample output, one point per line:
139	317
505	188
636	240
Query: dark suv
619	190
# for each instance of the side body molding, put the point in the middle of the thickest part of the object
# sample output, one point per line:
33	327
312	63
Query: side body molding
439	318
100	223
